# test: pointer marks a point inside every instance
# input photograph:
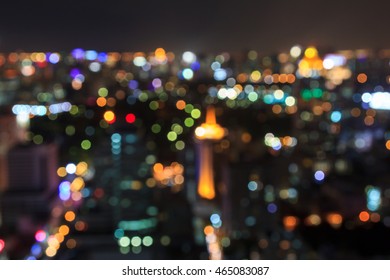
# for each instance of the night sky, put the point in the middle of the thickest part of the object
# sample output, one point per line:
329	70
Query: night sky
197	25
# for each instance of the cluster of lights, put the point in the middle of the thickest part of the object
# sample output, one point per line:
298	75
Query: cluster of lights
334	219
277	143
70	192
332	67
41	110
171	175
213	243
133	244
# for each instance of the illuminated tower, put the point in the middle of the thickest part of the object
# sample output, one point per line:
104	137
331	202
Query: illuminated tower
207	132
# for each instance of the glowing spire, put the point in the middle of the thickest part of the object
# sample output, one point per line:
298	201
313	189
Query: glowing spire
206	187
209	130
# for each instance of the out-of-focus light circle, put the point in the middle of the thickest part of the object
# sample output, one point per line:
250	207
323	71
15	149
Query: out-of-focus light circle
319	175
147	241
86	144
335	116
54	58
220	74
36	249
253	96
2	245
124	241
91	55
188	74
70	216
328	63
290	101
311	52
366	97
200	131
70	168
40	235
364	216
272	208
136	241
109	117
130	118
61	172
95	66
189	57
295	51
78	53
215	218
252	186
139	61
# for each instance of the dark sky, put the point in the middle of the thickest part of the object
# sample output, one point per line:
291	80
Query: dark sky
197	25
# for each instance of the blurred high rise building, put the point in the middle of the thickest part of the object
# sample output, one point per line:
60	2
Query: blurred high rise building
10	134
31	177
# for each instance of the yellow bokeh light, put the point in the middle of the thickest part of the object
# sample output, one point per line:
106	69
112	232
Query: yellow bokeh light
77	184
311	52
109	116
81	168
255	76
61	172
50	252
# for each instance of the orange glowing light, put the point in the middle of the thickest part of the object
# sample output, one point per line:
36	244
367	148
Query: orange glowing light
64	230
208	230
290	222
388	144
246	137
364	216
290	78
206	187
181	104
158	168
210	129
101	101
160	55
70	216
361	78
334	219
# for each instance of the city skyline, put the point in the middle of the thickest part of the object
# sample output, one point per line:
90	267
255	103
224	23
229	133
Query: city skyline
299	173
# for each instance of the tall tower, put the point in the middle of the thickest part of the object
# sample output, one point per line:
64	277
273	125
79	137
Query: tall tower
207	133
